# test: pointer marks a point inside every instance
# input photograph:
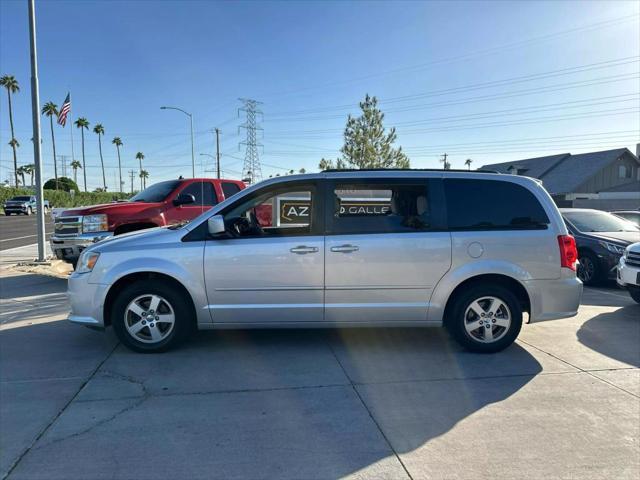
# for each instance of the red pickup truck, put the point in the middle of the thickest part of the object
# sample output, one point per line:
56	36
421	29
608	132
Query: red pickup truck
163	203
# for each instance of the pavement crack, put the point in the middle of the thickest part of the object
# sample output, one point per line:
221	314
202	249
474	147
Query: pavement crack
55	418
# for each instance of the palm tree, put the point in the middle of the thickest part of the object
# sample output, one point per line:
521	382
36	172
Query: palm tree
143	178
11	84
50	109
118	143
29	170
140	157
21	171
468	163
99	130
82	123
75	165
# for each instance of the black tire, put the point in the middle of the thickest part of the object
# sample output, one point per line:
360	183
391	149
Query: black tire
184	322
29	211
635	293
589	270
456	319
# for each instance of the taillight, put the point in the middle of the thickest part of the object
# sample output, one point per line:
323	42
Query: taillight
568	251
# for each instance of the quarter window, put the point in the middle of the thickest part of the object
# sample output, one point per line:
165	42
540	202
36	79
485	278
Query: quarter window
203	193
380	208
492	205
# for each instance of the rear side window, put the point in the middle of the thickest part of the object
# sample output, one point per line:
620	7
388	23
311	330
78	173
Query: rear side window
492	205
230	189
203	193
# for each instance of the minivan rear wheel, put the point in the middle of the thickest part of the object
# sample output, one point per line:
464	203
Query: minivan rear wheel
151	317
485	318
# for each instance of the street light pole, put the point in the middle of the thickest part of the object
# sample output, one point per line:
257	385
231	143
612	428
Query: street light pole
193	155
35	110
218	152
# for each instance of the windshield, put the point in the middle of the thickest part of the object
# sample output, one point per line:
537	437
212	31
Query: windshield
156	192
599	222
21	199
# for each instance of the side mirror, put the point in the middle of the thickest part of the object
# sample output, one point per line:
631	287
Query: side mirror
215	225
184	199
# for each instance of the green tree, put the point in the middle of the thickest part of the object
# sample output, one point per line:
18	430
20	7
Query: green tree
99	130
29	169
143	177
83	124
366	143
140	157
62	183
50	109
75	165
21	171
11	84
468	163
118	143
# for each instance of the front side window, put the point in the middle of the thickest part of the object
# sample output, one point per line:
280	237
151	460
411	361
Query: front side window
156	192
492	205
203	192
286	211
380	207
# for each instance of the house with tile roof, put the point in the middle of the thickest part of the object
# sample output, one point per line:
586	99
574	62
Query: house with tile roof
606	180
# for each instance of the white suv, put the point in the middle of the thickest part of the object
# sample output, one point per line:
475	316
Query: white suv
629	271
405	248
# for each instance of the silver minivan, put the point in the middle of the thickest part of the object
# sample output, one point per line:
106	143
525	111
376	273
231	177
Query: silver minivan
469	251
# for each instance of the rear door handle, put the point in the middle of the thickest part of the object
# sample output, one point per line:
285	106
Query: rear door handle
303	249
345	249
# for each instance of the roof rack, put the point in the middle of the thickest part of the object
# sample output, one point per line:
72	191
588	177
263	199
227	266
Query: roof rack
333	170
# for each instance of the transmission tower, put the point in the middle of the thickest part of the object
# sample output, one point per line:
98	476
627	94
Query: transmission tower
251	169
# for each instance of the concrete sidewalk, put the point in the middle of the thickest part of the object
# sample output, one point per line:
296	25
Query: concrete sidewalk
563	402
27	253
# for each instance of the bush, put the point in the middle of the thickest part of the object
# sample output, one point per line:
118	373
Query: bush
64	183
60	198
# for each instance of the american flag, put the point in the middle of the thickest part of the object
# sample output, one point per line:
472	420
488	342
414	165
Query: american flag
64	110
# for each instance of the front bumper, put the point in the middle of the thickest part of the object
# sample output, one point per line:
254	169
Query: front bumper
553	299
627	274
87	300
70	248
15	209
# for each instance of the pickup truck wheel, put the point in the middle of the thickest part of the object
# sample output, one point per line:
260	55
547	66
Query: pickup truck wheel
151	317
485	318
29	211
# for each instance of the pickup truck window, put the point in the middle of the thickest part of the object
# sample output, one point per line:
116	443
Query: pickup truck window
21	199
156	192
229	189
203	193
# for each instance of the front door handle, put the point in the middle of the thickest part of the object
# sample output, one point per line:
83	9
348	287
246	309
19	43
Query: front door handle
303	249
345	249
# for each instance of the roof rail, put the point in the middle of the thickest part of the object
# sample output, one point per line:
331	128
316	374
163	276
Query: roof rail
333	170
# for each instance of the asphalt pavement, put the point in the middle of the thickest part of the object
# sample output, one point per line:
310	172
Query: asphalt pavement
20	230
562	402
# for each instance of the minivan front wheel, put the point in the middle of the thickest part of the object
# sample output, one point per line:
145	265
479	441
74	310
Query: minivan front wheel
151	317
485	318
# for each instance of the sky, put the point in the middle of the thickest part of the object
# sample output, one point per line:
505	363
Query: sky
489	81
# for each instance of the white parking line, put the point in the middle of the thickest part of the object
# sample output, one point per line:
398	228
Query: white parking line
18	248
16	238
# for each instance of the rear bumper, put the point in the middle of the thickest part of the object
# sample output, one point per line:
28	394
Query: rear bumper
553	299
70	248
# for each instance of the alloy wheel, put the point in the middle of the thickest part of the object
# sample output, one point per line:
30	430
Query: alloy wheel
586	269
149	318
487	319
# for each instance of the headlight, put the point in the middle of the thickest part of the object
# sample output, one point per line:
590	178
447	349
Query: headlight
95	223
87	261
612	247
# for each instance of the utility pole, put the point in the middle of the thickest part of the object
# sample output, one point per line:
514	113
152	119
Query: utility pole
63	161
251	169
35	111
132	175
444	161
217	130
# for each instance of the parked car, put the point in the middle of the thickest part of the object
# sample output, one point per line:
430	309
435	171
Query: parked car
632	216
470	251
164	203
23	204
628	276
601	238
